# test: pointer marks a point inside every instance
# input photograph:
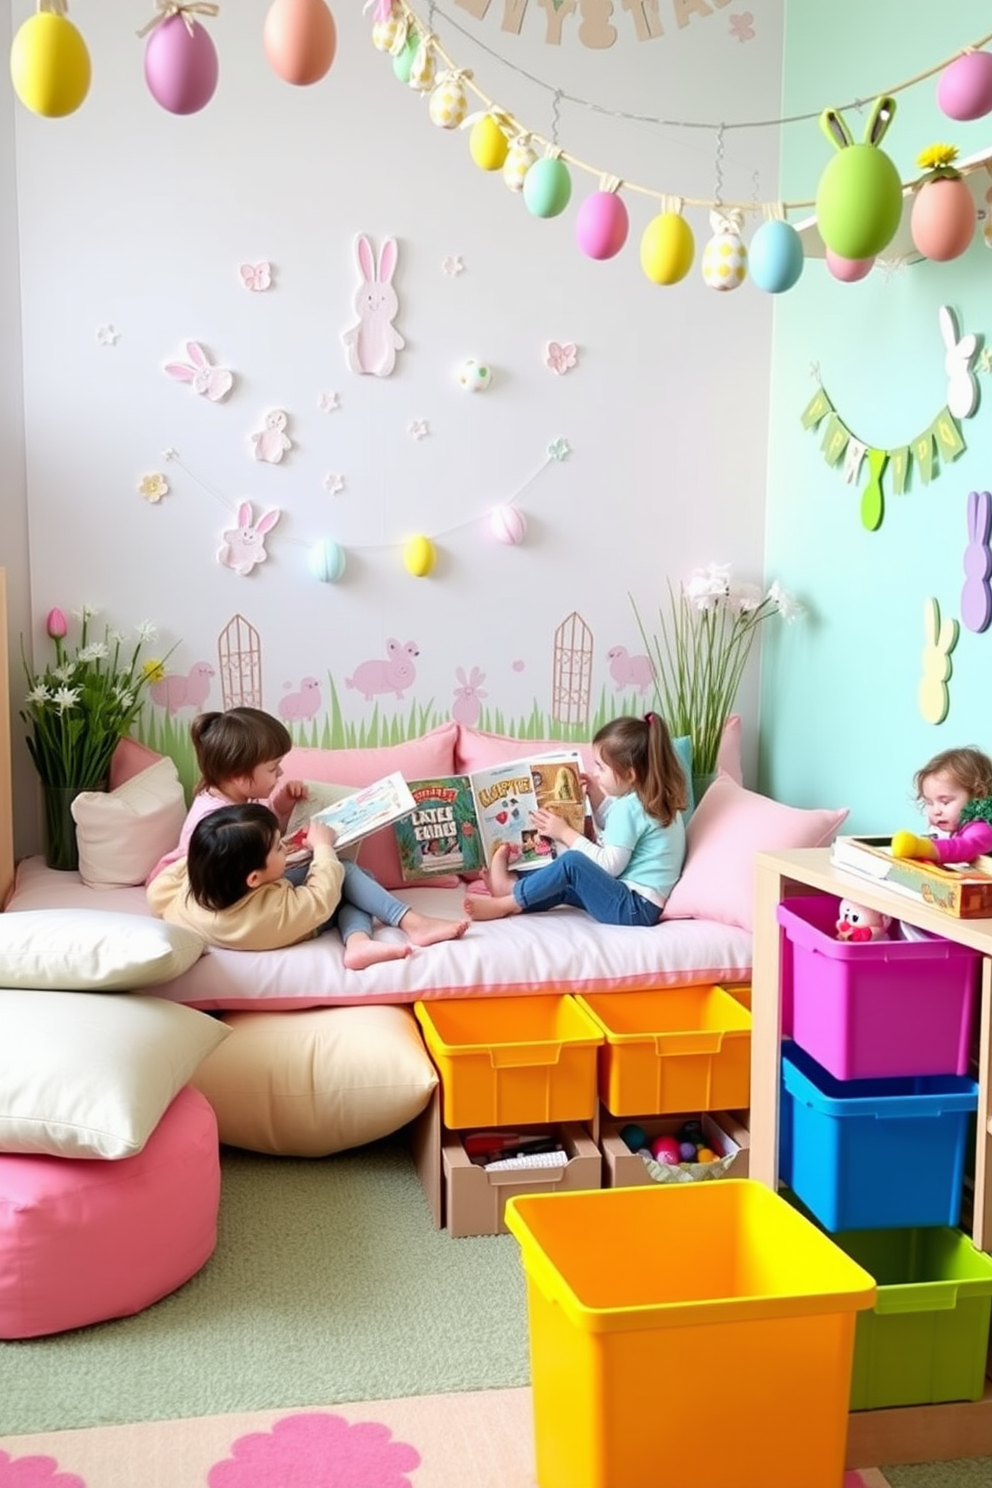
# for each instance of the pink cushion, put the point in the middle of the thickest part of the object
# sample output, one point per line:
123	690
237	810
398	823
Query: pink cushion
477	750
728	756
129	759
417	759
84	1239
728	827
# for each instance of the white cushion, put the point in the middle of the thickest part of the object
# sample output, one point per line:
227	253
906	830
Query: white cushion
92	951
82	1075
122	833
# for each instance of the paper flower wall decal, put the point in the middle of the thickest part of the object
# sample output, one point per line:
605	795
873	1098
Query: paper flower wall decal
153	487
256	277
742	26
333	483
107	335
452	265
559	449
329	402
418	428
561	357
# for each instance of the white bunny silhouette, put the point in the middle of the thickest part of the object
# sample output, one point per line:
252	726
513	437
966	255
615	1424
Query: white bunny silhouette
962	386
203	377
244	545
372	344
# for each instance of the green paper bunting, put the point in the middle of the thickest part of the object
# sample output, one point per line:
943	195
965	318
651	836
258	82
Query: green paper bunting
872	499
899	459
835	440
945	431
816	409
923	455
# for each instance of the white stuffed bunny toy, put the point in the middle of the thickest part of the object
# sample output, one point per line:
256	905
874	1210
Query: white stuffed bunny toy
372	344
858	924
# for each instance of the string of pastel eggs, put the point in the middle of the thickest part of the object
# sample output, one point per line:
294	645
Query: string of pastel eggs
858	202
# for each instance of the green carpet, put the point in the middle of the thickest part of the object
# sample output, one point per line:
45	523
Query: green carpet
976	1473
329	1284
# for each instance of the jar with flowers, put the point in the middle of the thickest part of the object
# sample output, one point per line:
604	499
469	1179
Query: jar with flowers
78	707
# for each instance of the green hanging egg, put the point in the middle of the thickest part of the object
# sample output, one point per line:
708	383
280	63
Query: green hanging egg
547	187
859	196
403	61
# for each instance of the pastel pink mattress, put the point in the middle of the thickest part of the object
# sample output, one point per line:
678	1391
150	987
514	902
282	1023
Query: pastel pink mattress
529	953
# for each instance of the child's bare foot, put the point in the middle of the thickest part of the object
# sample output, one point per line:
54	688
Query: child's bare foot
498	907
499	877
361	951
427	930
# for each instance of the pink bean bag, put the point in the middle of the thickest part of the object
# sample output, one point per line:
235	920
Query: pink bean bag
85	1239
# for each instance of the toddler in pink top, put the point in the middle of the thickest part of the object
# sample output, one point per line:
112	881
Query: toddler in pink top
955	790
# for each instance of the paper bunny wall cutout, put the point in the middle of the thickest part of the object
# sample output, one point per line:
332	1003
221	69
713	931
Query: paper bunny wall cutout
372	344
468	696
203	377
272	442
244	546
940	638
962	385
976	596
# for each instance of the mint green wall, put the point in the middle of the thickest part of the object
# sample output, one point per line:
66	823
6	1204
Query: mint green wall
840	724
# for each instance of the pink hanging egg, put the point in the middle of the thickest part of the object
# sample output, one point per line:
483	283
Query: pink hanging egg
180	66
848	270
943	219
300	40
601	225
964	90
508	525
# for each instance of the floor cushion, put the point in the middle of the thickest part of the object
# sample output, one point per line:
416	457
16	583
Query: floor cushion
83	1240
315	1081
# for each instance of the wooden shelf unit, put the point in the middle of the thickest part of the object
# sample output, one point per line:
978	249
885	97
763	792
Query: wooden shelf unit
923	1433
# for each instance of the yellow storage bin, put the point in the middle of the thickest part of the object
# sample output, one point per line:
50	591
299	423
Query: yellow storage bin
741	994
512	1060
677	1049
638	1298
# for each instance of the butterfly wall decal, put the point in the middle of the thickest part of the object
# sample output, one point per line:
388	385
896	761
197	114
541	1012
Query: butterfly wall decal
561	357
256	276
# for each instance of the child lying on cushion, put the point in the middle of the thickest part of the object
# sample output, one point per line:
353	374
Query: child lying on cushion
231	888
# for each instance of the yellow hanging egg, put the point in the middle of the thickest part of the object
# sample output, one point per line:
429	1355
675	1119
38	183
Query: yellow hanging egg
420	556
49	65
667	248
488	145
448	105
519	159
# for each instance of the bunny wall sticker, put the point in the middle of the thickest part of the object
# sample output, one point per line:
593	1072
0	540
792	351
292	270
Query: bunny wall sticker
976	596
940	638
271	442
372	344
203	377
962	386
244	546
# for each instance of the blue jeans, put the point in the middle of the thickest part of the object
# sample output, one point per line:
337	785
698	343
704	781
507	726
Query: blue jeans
575	879
362	899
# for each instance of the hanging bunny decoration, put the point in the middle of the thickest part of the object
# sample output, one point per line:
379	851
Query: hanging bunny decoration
859	196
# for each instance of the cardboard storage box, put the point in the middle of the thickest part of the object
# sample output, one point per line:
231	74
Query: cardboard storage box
623	1168
474	1199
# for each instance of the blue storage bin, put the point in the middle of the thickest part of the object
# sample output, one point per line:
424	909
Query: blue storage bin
874	1154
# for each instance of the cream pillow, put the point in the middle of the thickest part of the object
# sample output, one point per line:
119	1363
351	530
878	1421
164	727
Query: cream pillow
124	832
92	951
91	1076
316	1081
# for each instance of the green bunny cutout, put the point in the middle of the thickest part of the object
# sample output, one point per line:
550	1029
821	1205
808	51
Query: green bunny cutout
859	196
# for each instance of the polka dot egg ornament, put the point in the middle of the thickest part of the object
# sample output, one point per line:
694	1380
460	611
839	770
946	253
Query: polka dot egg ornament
386	33
725	256
519	159
424	69
448	105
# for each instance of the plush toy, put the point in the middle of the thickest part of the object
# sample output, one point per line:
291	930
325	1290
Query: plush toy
856	923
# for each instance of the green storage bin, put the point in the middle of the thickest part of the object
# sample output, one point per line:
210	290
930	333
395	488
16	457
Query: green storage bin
926	1338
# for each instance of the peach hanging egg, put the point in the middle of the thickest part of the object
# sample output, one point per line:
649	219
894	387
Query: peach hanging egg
943	219
300	40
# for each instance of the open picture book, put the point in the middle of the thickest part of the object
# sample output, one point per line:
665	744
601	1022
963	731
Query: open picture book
458	821
353	814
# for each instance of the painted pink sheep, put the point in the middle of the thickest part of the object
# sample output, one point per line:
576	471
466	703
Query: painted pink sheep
630	671
177	690
297	707
394	675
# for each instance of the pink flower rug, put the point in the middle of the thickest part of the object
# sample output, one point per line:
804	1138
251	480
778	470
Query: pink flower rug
433	1441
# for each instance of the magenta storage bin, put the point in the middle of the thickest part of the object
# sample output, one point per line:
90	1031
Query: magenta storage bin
881	1008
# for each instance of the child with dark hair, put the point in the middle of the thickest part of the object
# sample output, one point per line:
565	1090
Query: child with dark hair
955	790
638	793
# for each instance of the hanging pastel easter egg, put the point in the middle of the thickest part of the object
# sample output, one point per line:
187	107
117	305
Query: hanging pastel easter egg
964	89
424	67
547	187
404	59
848	270
49	65
474	377
667	248
447	104
775	257
420	556
725	256
519	159
601	225
859	195
300	40
386	31
488	144
181	65
508	525
326	561
943	219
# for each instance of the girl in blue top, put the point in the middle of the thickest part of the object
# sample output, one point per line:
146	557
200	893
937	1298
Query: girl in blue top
637	791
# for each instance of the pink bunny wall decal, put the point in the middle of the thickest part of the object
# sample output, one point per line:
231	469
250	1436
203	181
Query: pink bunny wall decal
244	546
468	696
213	383
372	344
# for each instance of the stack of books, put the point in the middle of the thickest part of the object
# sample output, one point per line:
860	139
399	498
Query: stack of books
964	891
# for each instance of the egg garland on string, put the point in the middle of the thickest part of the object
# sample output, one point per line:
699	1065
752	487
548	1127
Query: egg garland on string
602	223
404	59
448	105
424	67
859	195
326	561
964	89
419	556
49	62
488	144
389	27
181	68
775	257
508	525
300	40
725	256
943	218
547	185
667	248
519	159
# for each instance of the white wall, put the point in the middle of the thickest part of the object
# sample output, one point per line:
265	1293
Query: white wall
134	218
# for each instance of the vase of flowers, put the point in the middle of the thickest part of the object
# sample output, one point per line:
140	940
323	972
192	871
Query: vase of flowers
77	709
700	650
